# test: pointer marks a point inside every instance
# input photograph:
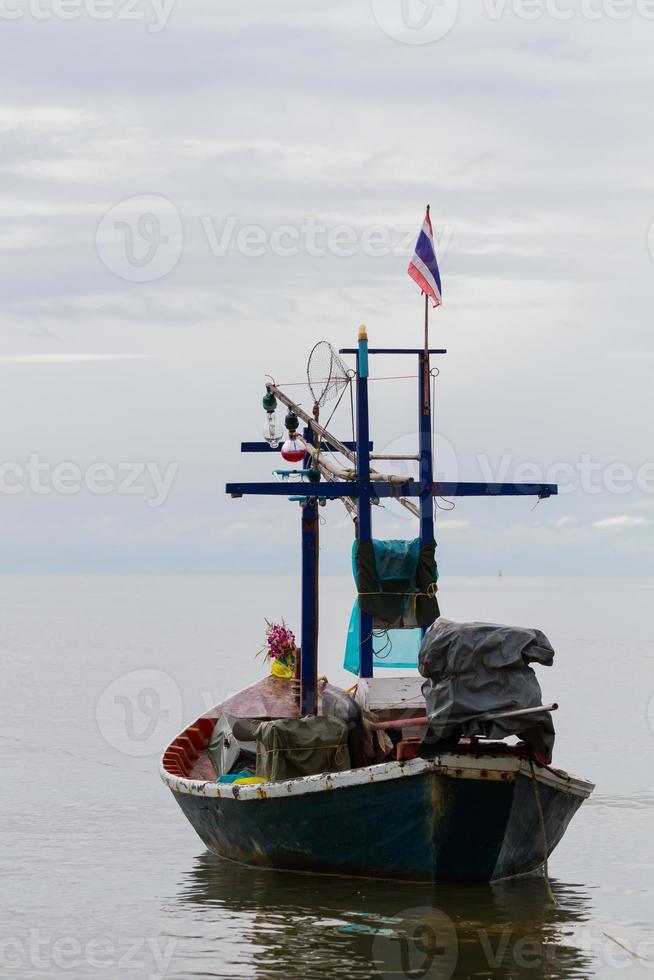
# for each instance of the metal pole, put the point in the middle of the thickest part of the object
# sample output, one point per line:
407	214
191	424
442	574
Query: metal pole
426	461
426	476
364	509
309	656
425	402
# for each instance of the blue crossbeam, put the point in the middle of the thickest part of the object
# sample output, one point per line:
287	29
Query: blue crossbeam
411	488
394	350
264	447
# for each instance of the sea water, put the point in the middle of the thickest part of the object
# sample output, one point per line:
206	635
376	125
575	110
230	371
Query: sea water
102	876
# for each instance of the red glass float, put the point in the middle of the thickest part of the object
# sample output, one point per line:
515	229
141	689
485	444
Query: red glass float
293	450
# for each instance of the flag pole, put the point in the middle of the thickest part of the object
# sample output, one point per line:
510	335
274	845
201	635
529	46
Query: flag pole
425	406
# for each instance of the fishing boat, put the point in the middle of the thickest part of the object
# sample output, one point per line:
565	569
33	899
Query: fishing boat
474	808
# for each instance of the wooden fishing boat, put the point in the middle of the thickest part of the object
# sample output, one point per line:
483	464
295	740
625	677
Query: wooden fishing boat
484	810
470	814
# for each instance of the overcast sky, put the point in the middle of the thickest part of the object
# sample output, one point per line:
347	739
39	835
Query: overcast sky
193	194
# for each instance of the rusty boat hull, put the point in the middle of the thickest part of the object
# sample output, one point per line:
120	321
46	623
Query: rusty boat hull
461	815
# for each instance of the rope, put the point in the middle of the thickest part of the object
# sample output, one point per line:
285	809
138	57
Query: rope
310	748
432	589
541	817
430	593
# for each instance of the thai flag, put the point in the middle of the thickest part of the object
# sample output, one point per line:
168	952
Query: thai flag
423	267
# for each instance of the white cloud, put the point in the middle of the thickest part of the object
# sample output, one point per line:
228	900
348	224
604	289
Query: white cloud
562	521
70	358
620	523
45	118
456	524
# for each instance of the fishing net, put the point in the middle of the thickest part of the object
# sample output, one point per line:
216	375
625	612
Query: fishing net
327	374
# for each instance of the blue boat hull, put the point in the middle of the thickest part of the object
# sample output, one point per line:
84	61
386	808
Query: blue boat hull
421	827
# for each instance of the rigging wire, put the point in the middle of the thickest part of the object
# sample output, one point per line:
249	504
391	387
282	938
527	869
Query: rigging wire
434	374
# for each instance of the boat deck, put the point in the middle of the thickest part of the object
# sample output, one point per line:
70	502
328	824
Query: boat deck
396	700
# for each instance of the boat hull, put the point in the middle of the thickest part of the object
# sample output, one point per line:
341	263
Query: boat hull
419	821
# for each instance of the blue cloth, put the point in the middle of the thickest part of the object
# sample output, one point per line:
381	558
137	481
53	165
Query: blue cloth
230	777
393	648
395	559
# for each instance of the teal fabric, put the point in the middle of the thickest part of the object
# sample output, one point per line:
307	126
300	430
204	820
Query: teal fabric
230	777
394	648
394	559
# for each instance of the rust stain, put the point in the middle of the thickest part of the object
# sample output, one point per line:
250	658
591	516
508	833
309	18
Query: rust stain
437	798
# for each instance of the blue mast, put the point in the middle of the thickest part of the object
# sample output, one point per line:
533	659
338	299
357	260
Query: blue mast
425	409
310	596
364	508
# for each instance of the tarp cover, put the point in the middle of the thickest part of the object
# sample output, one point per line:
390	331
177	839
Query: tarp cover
289	748
473	669
232	741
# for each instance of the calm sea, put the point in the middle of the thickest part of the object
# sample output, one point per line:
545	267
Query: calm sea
101	875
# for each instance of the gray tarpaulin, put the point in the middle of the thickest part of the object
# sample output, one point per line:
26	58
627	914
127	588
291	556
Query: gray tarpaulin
473	669
301	747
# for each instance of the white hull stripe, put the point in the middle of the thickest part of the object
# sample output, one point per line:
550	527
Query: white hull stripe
455	766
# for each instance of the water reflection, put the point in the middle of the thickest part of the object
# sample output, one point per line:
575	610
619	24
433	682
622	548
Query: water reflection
273	924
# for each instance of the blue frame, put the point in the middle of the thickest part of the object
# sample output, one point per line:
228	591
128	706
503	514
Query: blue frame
365	490
353	488
394	350
265	447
